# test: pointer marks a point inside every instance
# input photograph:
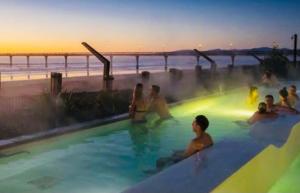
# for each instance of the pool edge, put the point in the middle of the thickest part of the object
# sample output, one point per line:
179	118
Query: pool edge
7	143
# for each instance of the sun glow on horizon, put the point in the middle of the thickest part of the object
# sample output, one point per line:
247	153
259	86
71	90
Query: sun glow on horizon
56	26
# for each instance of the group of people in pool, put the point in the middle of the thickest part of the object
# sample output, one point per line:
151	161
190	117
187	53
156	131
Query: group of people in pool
141	105
288	100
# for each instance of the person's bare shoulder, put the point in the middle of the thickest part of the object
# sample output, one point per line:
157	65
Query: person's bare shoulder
203	142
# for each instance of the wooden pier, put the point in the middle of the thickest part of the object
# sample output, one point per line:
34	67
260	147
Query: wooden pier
165	56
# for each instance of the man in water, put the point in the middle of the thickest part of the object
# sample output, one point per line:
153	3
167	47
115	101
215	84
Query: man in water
158	103
262	114
202	141
293	98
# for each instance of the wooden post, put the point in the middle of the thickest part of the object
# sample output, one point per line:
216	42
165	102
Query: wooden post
88	65
46	61
198	60
166	62
10	60
28	65
27	59
56	83
11	65
66	61
66	65
111	64
46	65
232	59
137	64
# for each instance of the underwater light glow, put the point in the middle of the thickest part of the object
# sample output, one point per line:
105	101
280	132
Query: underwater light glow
237	112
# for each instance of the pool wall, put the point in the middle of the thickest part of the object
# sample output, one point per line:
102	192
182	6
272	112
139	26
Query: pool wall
260	173
7	143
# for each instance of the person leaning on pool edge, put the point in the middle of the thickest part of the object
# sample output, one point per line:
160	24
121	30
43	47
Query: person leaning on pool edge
202	141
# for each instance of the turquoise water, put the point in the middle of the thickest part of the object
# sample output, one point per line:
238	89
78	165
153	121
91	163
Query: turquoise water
113	157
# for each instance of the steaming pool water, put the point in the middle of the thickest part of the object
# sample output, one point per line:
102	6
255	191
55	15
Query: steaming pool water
113	157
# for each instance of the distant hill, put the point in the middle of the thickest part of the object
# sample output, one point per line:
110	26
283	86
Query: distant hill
260	49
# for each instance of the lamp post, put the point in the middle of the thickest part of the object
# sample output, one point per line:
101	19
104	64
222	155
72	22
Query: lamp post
295	38
232	53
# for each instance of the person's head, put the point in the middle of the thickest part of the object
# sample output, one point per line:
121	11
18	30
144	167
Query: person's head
268	74
253	91
200	124
269	99
262	107
283	93
292	90
138	91
155	90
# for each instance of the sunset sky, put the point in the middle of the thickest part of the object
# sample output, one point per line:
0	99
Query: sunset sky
145	25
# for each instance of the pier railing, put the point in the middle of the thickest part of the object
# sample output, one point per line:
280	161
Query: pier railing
86	66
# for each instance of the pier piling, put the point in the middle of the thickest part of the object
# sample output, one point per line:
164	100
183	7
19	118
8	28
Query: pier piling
166	62
137	57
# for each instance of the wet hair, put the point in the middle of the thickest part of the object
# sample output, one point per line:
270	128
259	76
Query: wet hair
262	107
202	121
293	86
138	91
139	85
268	74
269	96
283	92
252	90
156	88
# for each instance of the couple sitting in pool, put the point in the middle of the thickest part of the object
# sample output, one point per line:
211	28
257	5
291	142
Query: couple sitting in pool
269	110
140	105
202	141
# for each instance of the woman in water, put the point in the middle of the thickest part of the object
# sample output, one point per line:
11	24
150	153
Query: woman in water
139	105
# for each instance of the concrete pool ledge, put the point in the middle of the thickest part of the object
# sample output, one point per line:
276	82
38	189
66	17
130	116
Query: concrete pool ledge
59	131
